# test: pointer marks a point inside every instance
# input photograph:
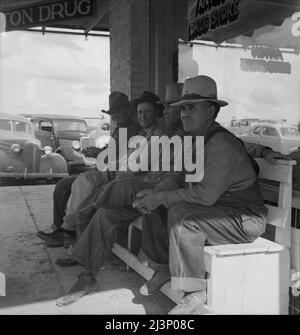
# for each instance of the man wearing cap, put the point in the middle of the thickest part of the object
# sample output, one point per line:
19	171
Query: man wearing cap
75	192
113	208
224	207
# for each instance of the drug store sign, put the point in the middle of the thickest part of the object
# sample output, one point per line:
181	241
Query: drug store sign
206	15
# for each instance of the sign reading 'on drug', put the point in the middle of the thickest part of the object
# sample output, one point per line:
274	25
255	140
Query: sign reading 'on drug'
45	13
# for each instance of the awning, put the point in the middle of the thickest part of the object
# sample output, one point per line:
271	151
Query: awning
253	15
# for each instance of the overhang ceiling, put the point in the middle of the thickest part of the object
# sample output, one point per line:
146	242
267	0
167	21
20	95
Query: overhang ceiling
254	14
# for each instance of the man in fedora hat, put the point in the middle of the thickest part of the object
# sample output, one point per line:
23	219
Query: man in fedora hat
113	208
173	118
75	192
224	207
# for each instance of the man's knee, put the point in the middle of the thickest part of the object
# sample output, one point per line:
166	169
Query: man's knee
180	219
64	185
177	213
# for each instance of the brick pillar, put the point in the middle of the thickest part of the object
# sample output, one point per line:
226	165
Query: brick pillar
144	44
130	46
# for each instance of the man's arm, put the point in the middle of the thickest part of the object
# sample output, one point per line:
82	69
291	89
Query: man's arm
221	159
261	151
255	150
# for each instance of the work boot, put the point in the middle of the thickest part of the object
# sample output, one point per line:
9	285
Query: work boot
53	239
154	284
85	284
70	238
189	303
66	261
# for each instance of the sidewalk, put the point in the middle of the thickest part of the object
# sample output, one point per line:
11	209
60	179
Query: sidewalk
33	279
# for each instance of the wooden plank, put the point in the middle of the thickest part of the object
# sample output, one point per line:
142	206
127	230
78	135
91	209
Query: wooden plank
278	217
281	172
147	273
261	245
270	193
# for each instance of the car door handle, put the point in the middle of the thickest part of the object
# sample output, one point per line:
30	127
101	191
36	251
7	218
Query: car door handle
51	138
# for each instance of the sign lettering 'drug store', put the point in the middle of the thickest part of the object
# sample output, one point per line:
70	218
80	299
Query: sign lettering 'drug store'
206	15
42	14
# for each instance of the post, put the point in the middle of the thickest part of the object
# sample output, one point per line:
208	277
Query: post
2	285
2	30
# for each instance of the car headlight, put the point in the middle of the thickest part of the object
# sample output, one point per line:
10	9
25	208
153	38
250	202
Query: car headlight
105	126
76	145
15	148
47	150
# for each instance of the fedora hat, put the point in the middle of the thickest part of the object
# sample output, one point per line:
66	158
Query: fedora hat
173	93
117	100
198	89
152	98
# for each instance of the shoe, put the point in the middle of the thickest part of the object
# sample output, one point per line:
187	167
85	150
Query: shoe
54	244
85	284
69	238
189	303
55	236
153	285
66	261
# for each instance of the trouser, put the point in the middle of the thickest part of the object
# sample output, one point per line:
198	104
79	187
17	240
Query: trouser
189	227
85	190
101	224
61	196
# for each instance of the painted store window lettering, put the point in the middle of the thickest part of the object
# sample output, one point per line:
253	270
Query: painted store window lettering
211	14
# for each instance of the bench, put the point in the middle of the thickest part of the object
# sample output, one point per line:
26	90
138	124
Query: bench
250	278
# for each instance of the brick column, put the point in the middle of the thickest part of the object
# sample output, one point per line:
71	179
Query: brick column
130	46
144	44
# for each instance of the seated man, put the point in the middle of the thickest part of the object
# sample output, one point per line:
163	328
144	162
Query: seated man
149	110
114	210
224	207
74	192
173	118
148	121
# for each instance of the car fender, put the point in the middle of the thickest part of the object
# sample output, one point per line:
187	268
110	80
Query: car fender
4	161
54	161
293	150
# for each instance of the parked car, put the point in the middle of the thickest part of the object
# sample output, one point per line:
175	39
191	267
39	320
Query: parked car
62	133
243	122
279	136
23	156
98	138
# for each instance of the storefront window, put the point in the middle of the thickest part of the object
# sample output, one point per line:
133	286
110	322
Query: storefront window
257	70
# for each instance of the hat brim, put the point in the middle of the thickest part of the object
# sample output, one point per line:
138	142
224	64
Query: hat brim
113	110
220	103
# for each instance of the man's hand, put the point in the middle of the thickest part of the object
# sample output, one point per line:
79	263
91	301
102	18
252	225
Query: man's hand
272	156
91	152
147	201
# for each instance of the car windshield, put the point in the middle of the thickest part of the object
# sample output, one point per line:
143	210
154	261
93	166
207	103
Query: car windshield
289	131
71	125
5	125
93	123
16	126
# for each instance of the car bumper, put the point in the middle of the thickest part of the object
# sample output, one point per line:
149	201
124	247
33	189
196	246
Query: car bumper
33	175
